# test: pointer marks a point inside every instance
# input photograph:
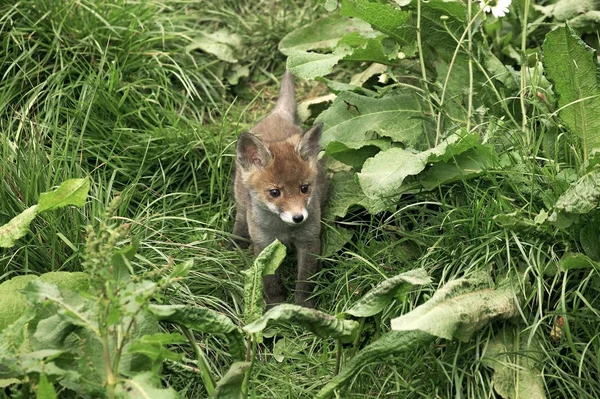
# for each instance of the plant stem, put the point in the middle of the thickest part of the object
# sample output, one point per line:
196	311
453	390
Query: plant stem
110	377
338	358
470	51
203	365
250	356
524	70
452	61
422	60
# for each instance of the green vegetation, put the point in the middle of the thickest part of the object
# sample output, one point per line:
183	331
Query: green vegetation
461	240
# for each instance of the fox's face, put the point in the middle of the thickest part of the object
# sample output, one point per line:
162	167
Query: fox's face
281	176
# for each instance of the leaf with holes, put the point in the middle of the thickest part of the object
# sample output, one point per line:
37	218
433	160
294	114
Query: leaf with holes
381	295
319	323
461	307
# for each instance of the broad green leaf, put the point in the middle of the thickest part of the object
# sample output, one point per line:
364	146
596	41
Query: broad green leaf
469	164
381	295
334	239
351	116
265	264
223	44
144	386
515	372
345	192
152	346
357	157
322	34
502	73
383	17
13	336
582	197
390	344
230	386
13	303
203	320
382	176
319	323
586	21
236	73
51	332
121	261
571	261
571	66
564	10
442	21
45	389
6	382
371	48
460	308
70	192
589	236
336	38
311	65
38	292
17	227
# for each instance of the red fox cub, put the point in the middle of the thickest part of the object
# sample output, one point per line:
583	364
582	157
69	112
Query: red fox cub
279	191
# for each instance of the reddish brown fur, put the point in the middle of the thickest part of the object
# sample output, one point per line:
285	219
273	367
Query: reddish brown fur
278	154
286	172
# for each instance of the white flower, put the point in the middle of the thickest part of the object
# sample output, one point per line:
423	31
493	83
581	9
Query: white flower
499	9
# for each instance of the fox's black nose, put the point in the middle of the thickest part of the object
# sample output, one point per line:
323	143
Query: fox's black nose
298	218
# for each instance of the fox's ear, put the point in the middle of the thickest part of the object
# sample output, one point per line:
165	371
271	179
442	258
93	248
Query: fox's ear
310	143
252	151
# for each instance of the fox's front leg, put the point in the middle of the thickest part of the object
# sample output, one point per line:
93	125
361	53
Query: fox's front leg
240	228
308	266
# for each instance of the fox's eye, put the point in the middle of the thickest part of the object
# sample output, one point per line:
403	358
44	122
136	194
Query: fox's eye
304	188
274	193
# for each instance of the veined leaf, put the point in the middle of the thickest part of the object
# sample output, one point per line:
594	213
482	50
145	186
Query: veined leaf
455	311
442	21
222	44
144	386
45	389
203	320
460	308
383	17
13	303
310	65
230	386
70	192
322	34
391	343
571	261
265	263
319	323
582	197
382	176
515	373
326	34
351	116
571	66
345	192
17	227
466	165
334	239
381	295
